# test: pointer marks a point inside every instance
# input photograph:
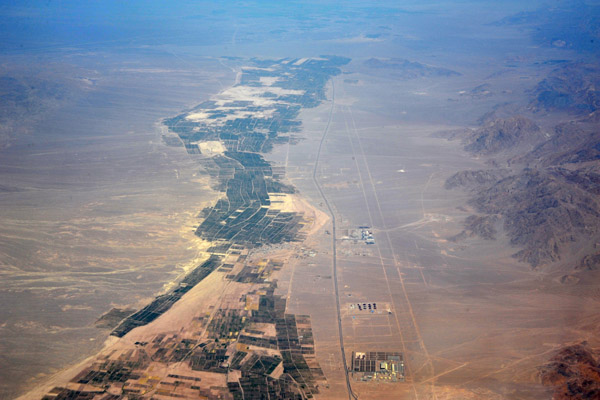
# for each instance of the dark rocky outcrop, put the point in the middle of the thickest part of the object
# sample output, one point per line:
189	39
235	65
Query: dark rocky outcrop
574	372
590	262
573	87
479	225
543	213
587	178
406	69
471	179
570	143
503	134
547	200
568	24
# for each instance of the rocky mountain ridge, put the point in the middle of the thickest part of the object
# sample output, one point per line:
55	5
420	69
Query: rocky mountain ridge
574	372
406	69
502	134
545	195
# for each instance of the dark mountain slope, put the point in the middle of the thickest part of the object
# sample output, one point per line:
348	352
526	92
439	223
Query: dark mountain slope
503	134
574	372
543	212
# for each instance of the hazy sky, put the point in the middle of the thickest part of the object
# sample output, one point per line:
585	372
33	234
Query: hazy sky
45	23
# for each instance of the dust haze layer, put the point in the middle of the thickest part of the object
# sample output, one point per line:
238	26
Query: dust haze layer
89	193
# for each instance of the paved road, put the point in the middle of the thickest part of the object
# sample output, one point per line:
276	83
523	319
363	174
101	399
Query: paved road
351	394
